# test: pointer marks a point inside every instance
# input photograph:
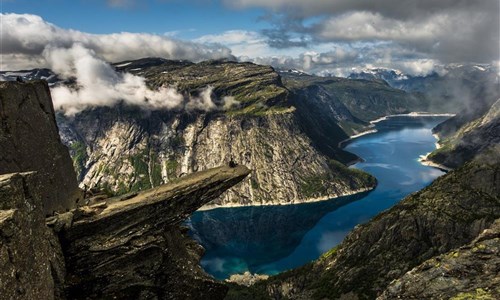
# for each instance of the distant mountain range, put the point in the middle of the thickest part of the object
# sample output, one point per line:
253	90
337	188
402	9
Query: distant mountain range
457	87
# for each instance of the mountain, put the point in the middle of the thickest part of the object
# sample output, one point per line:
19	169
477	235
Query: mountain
440	242
286	126
28	75
461	272
287	131
131	246
351	102
472	138
394	78
453	89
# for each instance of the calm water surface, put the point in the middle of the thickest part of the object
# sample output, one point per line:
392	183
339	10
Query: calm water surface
271	239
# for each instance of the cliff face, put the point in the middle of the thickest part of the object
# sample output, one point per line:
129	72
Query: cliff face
130	151
472	138
29	141
32	264
127	149
469	272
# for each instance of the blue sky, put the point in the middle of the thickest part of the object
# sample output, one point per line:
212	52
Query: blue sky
317	36
188	19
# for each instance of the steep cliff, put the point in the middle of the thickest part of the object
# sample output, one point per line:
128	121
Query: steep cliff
473	137
128	149
469	272
32	264
29	141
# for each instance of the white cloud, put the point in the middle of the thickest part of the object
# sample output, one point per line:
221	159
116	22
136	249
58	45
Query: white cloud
448	30
98	84
241	42
25	37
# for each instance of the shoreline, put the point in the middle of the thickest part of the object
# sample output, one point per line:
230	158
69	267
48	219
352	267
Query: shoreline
413	114
308	200
352	137
423	159
371	128
438	145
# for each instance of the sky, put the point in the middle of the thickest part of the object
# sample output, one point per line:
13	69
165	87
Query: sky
316	36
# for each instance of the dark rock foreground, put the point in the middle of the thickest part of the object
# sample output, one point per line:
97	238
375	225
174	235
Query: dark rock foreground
136	248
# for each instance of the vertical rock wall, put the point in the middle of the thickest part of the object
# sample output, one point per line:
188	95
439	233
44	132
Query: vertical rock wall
29	141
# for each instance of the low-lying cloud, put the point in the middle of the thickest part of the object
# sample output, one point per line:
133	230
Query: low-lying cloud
98	84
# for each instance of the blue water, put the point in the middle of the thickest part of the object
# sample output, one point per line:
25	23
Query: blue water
272	239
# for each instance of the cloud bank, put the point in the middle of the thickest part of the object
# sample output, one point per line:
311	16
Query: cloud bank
25	37
447	30
30	42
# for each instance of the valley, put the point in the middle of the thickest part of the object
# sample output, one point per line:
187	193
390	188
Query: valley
250	150
270	240
333	164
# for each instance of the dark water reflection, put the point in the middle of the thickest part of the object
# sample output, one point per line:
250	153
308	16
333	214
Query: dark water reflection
271	239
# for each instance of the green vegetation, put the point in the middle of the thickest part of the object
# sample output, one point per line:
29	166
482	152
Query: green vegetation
341	171
171	166
254	183
256	87
315	185
259	109
156	177
79	151
330	253
140	162
318	185
478	294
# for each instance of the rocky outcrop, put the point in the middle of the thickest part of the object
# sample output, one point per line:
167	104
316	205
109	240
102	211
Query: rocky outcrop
29	141
133	247
31	261
127	149
448	214
469	272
